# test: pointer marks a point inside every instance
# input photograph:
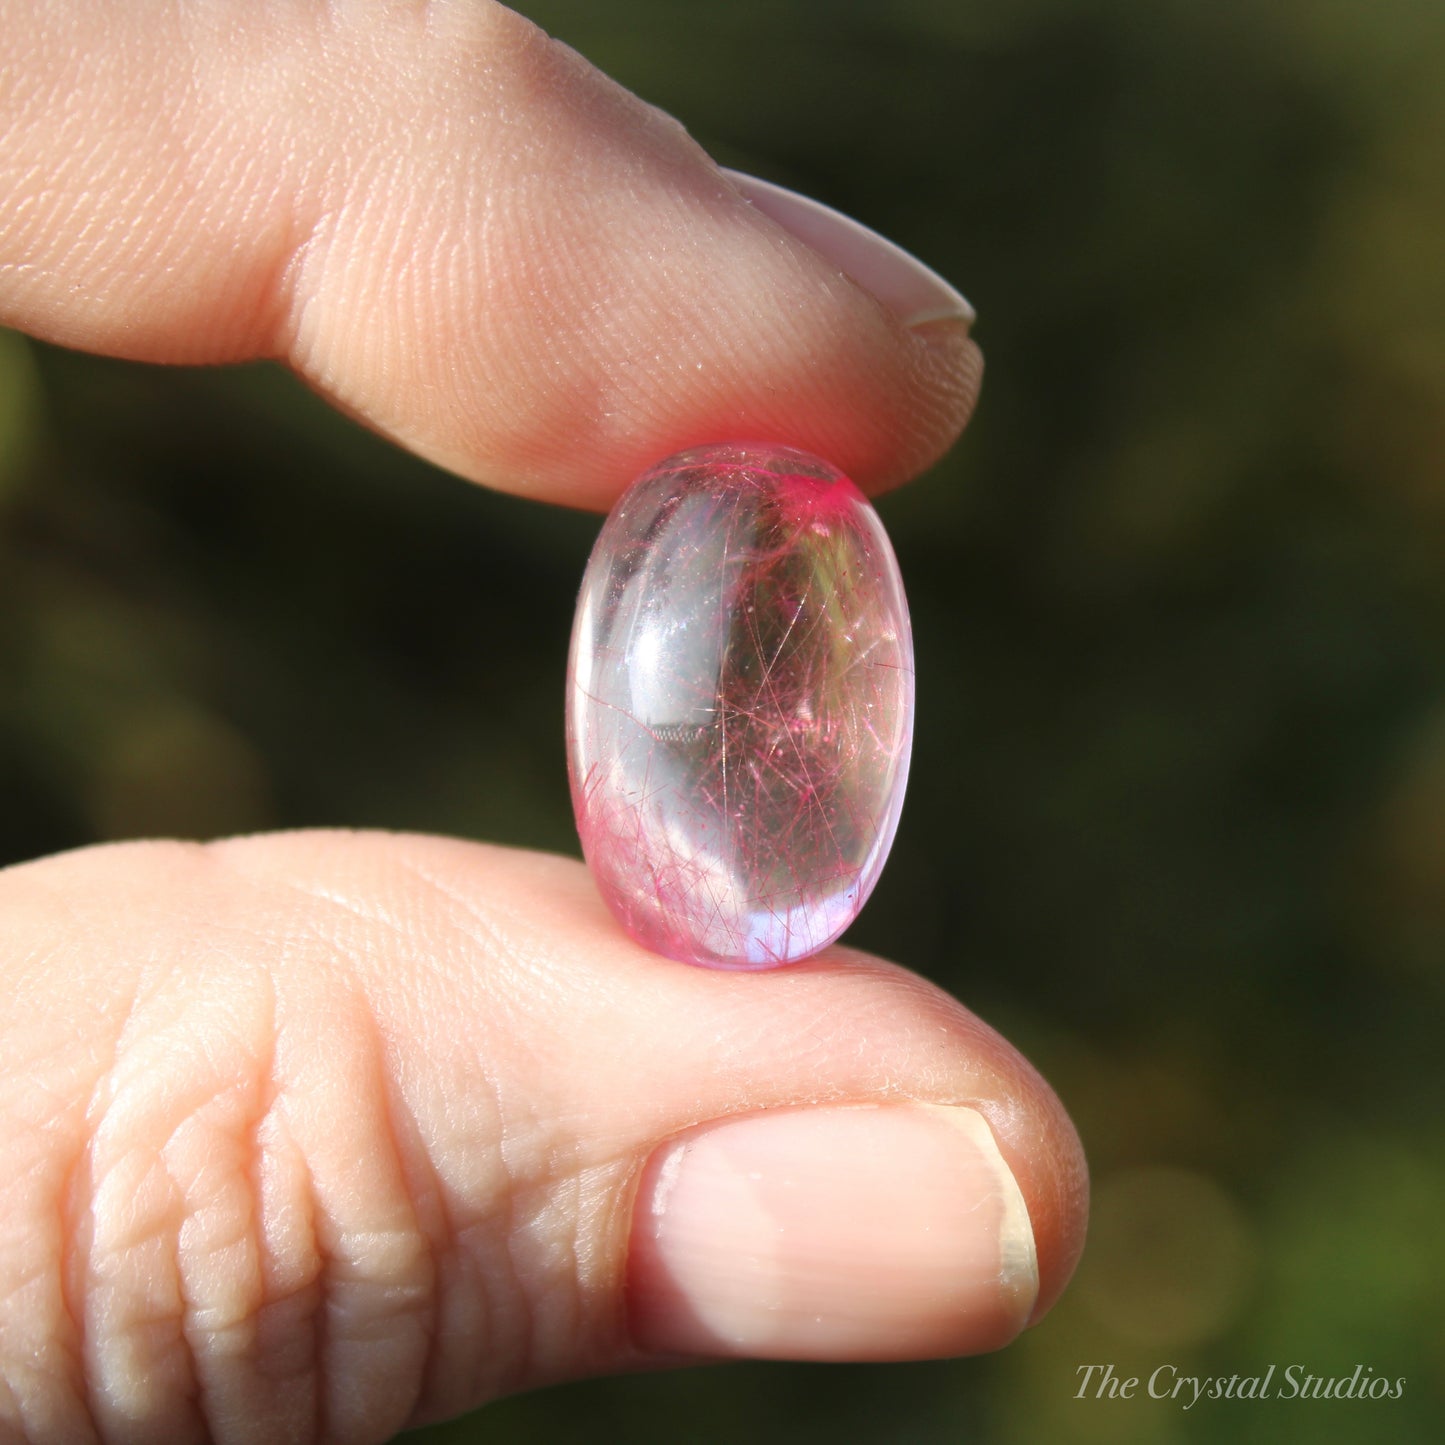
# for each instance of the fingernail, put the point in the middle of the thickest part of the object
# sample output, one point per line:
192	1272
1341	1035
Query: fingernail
876	1233
913	292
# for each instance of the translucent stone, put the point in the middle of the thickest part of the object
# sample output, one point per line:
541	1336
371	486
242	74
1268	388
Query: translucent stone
740	705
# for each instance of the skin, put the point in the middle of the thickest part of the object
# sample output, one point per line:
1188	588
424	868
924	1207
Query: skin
318	1135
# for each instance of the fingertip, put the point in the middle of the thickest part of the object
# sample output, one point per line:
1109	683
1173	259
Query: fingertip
1059	1209
1038	1139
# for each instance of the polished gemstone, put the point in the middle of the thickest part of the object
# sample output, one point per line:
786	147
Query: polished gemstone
740	705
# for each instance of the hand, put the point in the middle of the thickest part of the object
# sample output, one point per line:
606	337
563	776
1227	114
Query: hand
320	1135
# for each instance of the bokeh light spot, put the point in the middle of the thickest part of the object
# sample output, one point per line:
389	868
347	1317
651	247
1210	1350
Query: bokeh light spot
1171	1256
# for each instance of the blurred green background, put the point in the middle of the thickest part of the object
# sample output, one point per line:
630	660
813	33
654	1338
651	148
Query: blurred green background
1178	824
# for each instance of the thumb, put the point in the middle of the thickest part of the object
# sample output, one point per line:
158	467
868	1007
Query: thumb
322	1135
459	231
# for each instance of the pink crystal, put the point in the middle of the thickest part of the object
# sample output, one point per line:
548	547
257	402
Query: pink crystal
740	705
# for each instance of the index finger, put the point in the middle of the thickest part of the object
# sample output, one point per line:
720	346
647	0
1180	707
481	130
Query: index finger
456	229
